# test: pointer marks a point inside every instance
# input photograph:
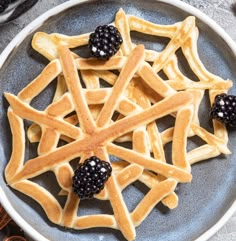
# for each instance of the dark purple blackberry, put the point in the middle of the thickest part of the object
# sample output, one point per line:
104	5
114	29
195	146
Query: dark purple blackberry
90	177
224	109
105	41
4	4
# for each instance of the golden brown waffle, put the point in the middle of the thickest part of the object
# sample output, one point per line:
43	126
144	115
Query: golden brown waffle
84	118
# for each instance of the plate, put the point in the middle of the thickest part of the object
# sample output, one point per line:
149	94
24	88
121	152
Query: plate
204	205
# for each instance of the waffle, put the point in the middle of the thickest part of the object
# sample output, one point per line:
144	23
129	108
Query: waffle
83	117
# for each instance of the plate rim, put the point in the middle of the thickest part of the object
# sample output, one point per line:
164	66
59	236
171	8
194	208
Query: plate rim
31	27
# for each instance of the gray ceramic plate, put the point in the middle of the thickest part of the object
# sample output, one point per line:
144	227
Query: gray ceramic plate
202	204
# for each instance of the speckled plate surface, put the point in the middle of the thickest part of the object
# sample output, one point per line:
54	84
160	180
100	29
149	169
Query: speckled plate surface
204	205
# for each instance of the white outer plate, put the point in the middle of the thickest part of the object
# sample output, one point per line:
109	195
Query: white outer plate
51	14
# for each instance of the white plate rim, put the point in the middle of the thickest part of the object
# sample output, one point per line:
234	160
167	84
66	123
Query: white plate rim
56	10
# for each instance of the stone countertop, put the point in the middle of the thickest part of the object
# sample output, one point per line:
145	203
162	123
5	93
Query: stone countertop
222	11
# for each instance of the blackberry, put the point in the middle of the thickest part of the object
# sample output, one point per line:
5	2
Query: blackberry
4	4
90	177
224	109
105	41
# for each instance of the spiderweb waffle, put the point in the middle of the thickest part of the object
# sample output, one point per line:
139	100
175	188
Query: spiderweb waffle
97	120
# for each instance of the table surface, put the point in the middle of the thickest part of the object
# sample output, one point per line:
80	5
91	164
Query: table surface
222	11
